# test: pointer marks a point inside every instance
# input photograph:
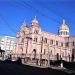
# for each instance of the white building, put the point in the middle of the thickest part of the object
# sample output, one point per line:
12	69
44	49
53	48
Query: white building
7	43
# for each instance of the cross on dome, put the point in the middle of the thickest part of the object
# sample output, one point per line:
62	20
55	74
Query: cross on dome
63	21
35	18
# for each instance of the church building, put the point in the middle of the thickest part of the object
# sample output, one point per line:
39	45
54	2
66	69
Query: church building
32	42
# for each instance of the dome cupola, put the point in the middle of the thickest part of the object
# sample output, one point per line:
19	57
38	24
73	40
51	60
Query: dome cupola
63	30
64	26
34	22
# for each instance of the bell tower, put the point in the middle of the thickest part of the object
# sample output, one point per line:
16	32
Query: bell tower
34	26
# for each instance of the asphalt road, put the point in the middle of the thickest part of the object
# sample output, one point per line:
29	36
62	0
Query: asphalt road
19	69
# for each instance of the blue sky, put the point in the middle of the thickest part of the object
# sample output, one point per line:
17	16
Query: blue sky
50	14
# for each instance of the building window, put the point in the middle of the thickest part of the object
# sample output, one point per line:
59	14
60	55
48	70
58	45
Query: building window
57	56
73	43
57	43
42	39
51	42
36	31
51	52
61	44
35	39
67	44
60	33
34	53
21	49
45	40
73	54
22	40
44	51
66	33
73	51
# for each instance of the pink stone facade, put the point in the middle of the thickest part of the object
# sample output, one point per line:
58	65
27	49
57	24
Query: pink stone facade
32	41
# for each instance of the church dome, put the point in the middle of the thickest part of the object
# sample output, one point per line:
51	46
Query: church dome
34	22
63	30
64	26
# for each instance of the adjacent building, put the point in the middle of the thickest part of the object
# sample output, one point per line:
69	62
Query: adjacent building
33	42
7	43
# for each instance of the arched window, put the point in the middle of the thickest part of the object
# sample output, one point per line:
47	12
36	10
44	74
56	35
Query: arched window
66	33
51	42
60	33
57	43
69	57
57	56
22	40
67	44
45	40
73	54
34	53
35	39
42	39
44	51
73	43
36	32
61	43
73	51
21	50
34	50
51	52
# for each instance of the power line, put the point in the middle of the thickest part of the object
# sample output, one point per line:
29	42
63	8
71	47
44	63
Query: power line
38	11
47	16
25	4
6	23
18	5
47	8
